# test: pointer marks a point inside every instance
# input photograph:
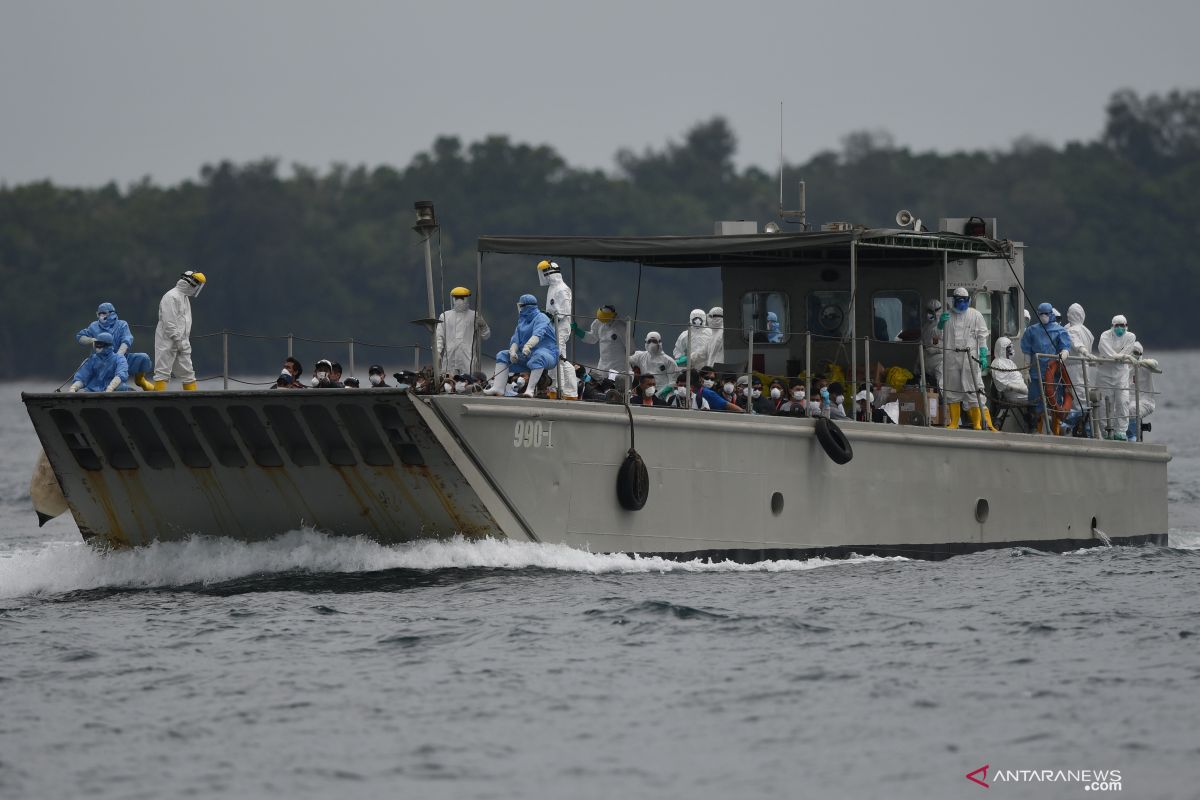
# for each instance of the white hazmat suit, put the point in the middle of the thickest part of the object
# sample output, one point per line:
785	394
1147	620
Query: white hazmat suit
653	361
965	333
699	348
458	338
1010	383
716	323
931	341
1113	378
1141	402
172	337
558	307
1081	346
612	337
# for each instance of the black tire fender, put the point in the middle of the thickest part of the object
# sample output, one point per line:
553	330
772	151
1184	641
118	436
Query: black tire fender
633	482
833	441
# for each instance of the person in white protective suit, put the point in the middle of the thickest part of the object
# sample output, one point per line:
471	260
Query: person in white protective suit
459	334
967	337
716	323
653	361
1141	402
612	335
693	348
1010	383
558	307
172	337
1113	378
1082	342
931	342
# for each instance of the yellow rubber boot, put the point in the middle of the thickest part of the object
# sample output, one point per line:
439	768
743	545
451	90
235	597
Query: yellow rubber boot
987	421
140	379
189	387
955	412
976	418
160	386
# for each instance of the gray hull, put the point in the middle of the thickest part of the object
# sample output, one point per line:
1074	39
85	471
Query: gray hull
159	466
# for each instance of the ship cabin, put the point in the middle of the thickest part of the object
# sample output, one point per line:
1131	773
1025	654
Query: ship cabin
797	302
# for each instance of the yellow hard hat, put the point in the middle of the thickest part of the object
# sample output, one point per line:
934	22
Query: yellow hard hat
194	278
545	265
606	314
460	291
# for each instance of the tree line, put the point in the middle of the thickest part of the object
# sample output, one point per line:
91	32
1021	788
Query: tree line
1111	223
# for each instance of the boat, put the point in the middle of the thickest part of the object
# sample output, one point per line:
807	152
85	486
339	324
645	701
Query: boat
395	466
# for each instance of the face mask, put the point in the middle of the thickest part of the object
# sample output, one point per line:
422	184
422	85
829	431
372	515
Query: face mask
1008	352
460	387
648	391
322	375
1045	318
100	348
757	393
448	387
929	315
840	399
520	382
313	381
708	384
728	387
717	321
1119	330
961	304
102	316
376	380
776	393
681	391
654	348
460	303
798	395
697	322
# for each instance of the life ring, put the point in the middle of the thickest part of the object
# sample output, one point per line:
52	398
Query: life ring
633	482
835	443
1055	375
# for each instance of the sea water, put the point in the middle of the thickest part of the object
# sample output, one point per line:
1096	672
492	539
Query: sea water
317	667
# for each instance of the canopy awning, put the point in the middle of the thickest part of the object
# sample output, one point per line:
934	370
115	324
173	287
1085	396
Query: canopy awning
760	249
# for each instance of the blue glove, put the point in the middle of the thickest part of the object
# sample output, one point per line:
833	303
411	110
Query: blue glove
578	331
983	358
945	318
824	395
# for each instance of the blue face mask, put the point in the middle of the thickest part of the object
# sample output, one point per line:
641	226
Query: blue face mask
962	303
1119	330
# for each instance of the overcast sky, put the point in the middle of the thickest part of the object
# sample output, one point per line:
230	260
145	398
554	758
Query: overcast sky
92	91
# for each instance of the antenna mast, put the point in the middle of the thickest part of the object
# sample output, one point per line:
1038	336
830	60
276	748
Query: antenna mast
799	216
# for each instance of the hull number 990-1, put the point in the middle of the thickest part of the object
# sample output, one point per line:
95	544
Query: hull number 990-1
533	433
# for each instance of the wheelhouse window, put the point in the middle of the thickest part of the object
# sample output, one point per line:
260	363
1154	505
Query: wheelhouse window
896	316
1012	313
829	312
767	312
983	304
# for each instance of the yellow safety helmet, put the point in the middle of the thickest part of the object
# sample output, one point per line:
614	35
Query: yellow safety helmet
547	266
606	314
460	291
194	278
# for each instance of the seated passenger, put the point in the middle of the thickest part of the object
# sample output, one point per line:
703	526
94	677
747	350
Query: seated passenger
335	375
351	383
295	369
321	377
833	401
533	347
777	395
284	381
105	370
758	403
795	405
376	376
647	392
705	399
677	396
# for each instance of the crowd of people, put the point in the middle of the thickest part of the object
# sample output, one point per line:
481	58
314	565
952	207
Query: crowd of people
1119	389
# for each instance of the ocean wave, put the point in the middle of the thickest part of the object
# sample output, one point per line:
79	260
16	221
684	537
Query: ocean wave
62	567
1183	540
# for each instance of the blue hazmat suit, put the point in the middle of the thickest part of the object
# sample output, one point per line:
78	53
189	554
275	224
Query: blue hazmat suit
774	335
1050	337
119	328
101	367
532	322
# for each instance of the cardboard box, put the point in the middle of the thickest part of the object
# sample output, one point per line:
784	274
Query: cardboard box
911	411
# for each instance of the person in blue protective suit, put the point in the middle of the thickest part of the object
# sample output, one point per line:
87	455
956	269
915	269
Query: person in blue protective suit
107	321
1046	337
105	370
774	334
533	348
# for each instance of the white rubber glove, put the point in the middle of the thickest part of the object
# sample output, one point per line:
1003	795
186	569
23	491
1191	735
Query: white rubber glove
1064	354
532	343
512	352
114	383
86	340
123	349
75	387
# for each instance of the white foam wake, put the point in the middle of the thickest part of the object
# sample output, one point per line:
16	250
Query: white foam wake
1184	540
72	566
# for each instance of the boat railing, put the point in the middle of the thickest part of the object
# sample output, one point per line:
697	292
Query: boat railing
1091	396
